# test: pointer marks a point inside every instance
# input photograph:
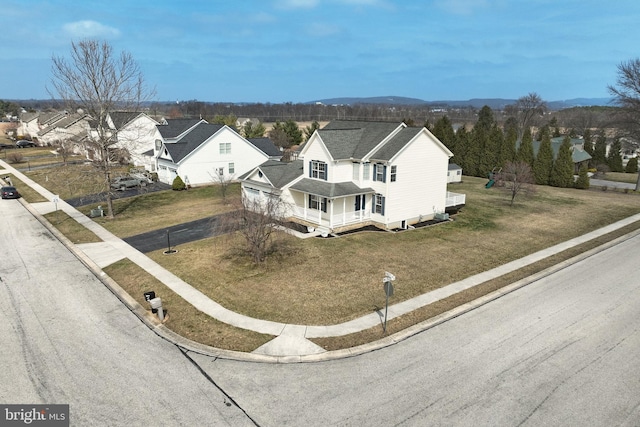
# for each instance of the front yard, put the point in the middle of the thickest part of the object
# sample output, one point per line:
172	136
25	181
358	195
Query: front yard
328	281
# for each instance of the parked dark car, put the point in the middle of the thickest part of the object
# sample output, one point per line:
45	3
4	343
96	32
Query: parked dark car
24	143
9	193
3	146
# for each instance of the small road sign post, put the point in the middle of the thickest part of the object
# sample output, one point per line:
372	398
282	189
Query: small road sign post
387	282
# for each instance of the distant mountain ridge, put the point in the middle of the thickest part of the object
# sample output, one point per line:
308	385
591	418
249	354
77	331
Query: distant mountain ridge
494	103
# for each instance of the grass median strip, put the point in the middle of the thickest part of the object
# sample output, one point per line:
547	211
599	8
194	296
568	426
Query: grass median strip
183	318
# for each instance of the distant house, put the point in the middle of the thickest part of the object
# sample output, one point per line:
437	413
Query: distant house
202	153
353	173
578	154
64	129
136	133
454	173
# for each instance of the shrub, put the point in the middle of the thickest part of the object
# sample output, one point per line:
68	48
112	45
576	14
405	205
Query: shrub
583	179
178	184
15	157
632	165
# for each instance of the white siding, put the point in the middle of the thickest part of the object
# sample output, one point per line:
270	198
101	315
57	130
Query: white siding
200	165
421	184
137	137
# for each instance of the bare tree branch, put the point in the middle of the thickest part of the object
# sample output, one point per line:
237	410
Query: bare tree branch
99	82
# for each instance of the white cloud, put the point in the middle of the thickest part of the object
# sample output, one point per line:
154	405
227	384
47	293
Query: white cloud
90	29
298	4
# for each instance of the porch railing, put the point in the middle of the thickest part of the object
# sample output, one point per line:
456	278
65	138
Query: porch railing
455	199
337	220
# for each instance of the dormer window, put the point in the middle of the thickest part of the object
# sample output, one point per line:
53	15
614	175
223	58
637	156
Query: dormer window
318	169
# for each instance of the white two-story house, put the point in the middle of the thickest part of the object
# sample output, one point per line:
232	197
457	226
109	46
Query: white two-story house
202	153
353	173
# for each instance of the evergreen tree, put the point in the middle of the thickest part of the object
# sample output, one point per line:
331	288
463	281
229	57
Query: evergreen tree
475	145
583	178
508	153
600	150
525	151
632	165
496	141
562	170
544	160
614	159
588	142
443	130
482	146
553	123
461	145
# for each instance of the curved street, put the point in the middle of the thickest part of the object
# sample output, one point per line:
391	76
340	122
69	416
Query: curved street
564	350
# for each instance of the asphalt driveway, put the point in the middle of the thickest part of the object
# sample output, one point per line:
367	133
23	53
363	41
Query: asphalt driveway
177	234
100	197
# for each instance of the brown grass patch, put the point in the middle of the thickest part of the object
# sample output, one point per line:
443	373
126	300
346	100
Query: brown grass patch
183	318
329	281
68	226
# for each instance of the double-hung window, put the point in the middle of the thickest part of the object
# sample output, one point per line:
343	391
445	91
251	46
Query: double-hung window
378	204
225	148
365	170
318	169
394	173
379	172
318	203
232	168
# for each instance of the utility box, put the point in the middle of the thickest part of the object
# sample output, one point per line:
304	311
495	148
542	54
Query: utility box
156	304
97	212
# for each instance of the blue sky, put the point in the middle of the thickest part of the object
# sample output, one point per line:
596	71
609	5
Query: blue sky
302	50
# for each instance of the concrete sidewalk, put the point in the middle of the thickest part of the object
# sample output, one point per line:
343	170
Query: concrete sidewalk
291	342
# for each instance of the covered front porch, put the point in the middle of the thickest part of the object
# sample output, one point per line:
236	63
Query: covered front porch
331	205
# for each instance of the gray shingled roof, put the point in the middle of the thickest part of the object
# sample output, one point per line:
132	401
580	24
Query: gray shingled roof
395	144
577	154
266	146
175	127
453	166
181	148
121	118
280	173
329	189
354	139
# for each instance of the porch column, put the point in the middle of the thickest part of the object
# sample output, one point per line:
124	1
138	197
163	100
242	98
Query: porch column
344	211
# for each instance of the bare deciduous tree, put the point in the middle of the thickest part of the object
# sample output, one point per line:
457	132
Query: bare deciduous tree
517	178
257	219
224	181
525	110
98	81
626	94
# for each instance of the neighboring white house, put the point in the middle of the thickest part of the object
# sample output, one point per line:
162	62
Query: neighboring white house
136	132
353	173
454	173
63	130
202	153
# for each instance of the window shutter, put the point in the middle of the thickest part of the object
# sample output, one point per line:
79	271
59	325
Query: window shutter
326	172
384	176
364	201
357	202
383	199
310	169
375	171
373	203
309	197
324	204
